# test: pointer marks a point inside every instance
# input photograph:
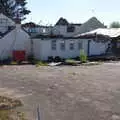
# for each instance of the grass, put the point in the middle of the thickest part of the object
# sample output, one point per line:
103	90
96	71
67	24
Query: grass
11	115
7	109
83	56
71	62
40	63
14	63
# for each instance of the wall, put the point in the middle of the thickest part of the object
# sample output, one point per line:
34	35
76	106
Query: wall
97	48
17	39
62	30
42	48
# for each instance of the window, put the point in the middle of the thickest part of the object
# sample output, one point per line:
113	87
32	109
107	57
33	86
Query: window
62	45
53	45
72	45
70	29
118	45
80	45
44	30
3	21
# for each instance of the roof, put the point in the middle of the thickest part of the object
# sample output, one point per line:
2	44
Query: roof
92	24
76	24
110	32
62	21
30	24
52	37
47	36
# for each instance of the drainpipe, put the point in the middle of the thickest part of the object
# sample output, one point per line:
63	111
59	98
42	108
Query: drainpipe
31	40
88	52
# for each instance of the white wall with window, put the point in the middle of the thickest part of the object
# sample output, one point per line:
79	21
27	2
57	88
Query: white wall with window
53	45
62	45
64	48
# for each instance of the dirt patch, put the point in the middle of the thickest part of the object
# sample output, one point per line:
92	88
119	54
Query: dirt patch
65	92
8	109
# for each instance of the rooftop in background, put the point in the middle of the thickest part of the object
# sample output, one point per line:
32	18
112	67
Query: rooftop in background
110	32
32	25
63	21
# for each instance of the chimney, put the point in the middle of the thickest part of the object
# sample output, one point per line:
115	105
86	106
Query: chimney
17	21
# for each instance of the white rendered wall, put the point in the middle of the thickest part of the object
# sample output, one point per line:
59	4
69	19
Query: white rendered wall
42	48
17	39
97	48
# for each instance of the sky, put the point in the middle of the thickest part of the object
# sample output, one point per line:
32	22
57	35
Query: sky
47	12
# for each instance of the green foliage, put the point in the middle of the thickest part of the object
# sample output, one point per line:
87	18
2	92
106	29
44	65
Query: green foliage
5	115
11	115
14	63
71	62
17	9
83	56
40	63
115	25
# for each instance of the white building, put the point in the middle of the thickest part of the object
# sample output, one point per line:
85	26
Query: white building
64	43
12	38
46	46
63	27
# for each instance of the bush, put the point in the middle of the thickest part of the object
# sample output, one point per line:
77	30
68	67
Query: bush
83	56
7	61
57	59
50	59
30	58
77	58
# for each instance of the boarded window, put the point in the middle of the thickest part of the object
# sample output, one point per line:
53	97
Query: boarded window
53	45
80	46
118	45
70	28
72	45
62	45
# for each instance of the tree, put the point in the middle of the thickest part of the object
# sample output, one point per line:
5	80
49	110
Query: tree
115	25
14	8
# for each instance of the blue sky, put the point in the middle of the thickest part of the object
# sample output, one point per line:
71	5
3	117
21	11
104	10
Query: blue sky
76	11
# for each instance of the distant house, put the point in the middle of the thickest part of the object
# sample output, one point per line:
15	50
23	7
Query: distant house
34	29
12	38
92	24
63	27
66	41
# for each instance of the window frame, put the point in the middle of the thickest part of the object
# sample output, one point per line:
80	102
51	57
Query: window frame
62	45
70	29
80	45
54	45
72	45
